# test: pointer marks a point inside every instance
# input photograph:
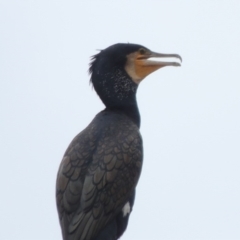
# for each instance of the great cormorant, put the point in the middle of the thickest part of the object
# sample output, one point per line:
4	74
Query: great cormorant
100	169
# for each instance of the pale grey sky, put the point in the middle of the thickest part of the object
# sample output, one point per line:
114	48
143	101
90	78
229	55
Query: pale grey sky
189	188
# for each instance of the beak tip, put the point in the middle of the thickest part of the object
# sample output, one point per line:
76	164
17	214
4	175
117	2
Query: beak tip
177	64
180	58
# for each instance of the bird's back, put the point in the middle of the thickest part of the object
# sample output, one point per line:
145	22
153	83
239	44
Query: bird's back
97	178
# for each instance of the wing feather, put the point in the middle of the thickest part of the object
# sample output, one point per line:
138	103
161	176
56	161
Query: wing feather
95	180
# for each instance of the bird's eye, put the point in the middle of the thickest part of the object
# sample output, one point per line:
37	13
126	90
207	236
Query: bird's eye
142	51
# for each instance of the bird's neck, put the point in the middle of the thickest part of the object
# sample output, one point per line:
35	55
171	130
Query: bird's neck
129	109
118	92
120	95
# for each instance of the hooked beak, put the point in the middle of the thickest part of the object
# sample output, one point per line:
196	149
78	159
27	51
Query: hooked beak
139	65
144	60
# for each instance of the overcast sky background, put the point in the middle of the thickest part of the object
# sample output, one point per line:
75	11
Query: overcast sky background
189	187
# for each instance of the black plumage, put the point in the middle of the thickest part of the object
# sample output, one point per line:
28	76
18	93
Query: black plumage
100	169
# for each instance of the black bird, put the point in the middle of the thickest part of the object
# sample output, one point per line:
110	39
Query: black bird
100	169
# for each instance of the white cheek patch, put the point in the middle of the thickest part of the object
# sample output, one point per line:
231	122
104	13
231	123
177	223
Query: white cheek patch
130	68
126	209
132	73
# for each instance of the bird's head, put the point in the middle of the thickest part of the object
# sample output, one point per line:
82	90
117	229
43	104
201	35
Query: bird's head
117	70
